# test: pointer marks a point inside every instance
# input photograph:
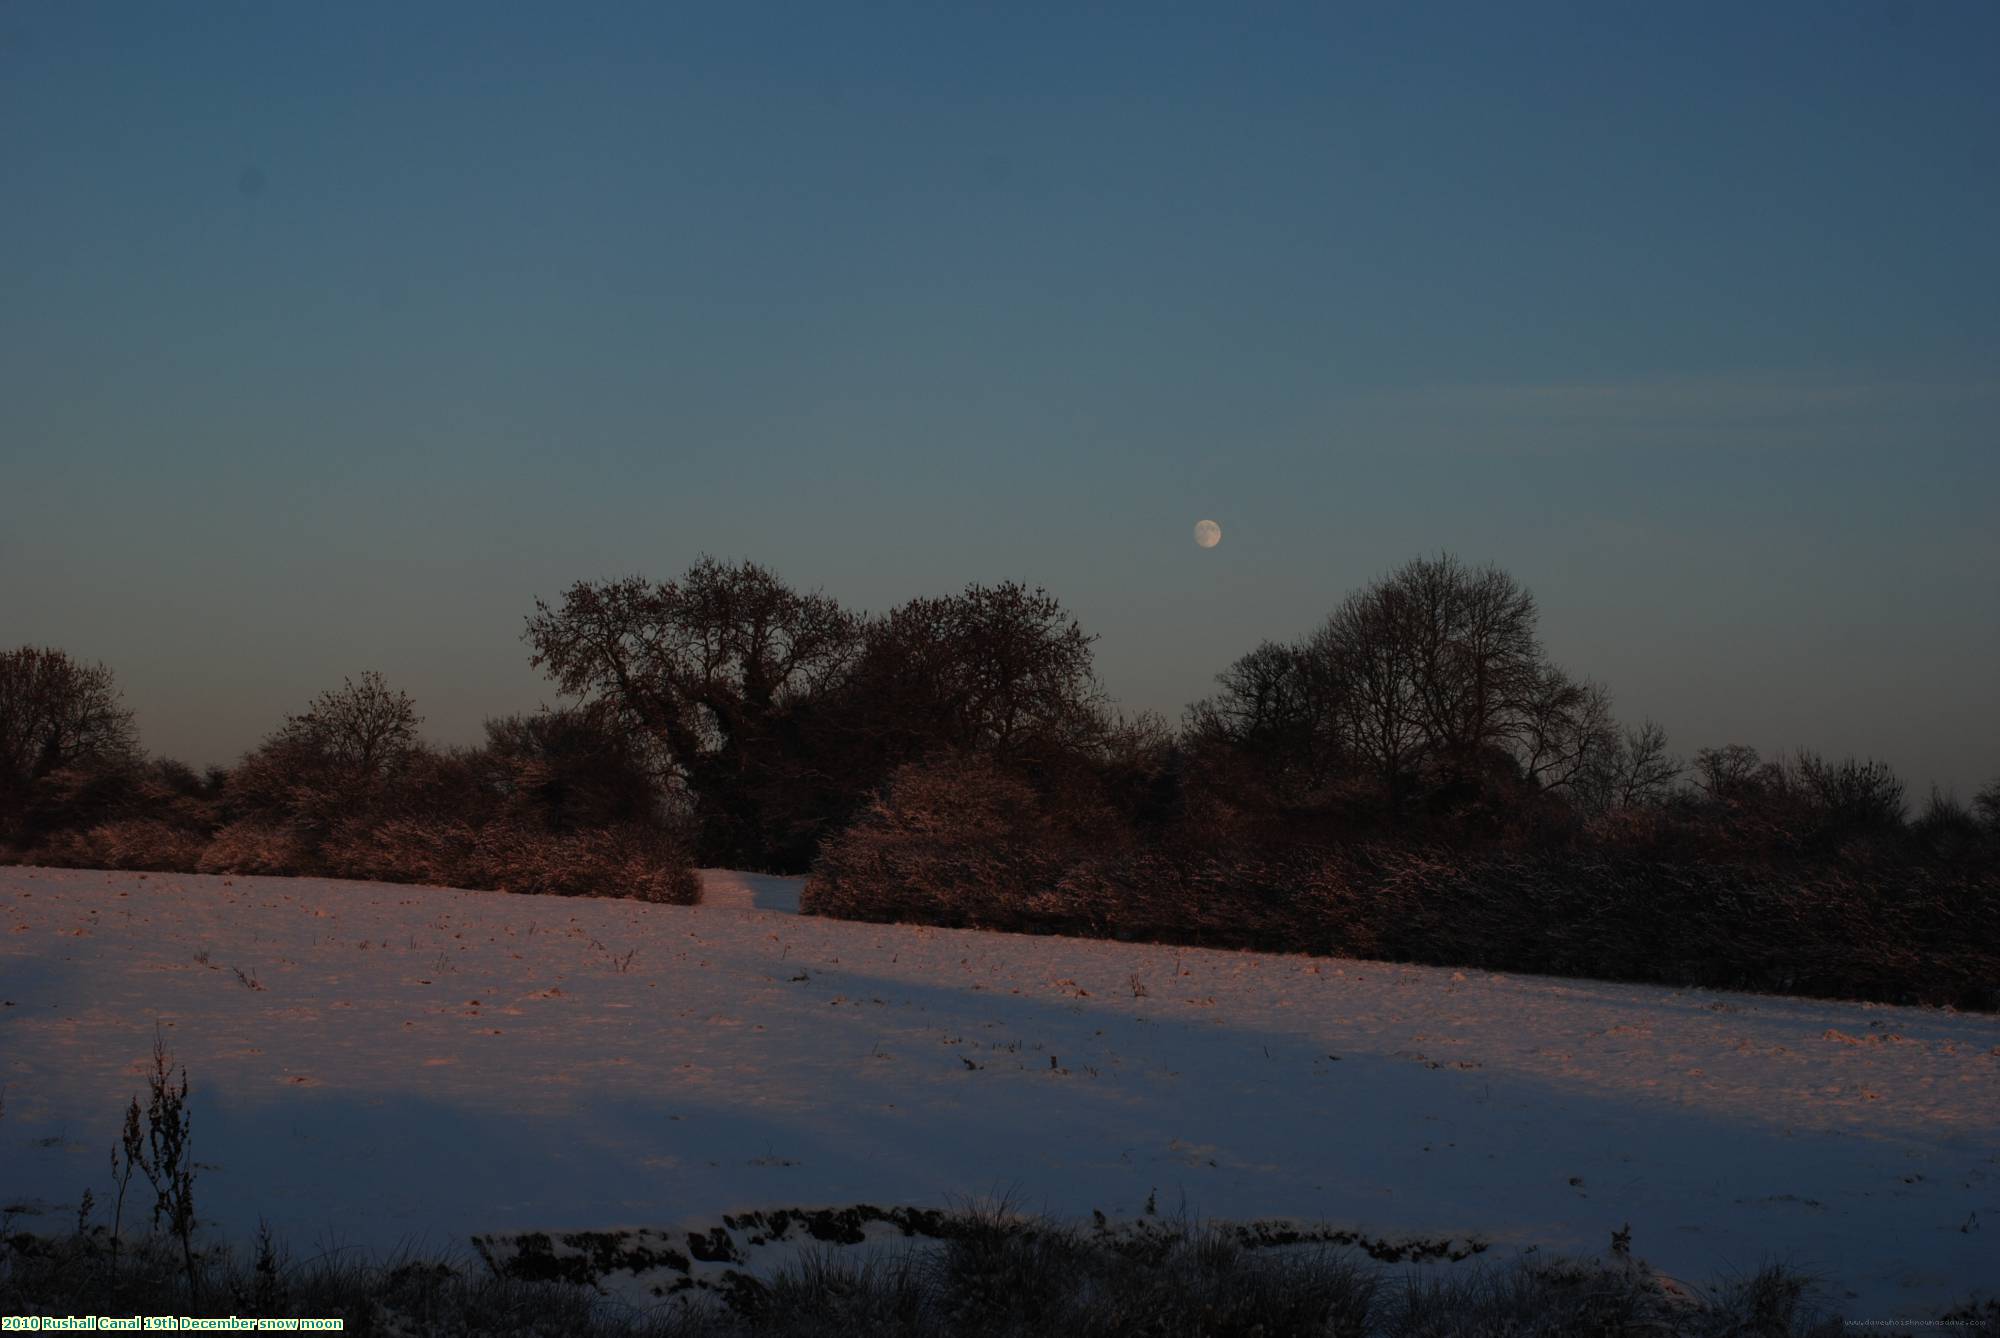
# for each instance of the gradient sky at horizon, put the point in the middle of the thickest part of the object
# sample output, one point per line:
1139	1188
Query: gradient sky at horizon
331	336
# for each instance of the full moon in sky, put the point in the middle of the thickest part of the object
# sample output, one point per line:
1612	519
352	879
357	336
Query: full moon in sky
1207	533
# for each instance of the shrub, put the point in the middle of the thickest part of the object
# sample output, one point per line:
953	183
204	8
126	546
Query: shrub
130	843
647	865
442	852
253	847
118	812
953	841
642	863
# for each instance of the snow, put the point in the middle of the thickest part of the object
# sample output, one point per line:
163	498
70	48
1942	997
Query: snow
411	1066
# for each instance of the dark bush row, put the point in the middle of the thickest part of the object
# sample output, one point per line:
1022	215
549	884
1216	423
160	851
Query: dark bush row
968	844
648	864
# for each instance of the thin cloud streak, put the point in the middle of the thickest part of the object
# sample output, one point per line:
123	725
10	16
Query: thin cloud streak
1726	398
1491	420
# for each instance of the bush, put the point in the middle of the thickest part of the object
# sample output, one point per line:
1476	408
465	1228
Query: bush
642	863
1897	932
636	862
118	813
438	852
130	843
247	846
954	841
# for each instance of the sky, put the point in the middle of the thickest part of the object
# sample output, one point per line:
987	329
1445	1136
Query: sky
331	337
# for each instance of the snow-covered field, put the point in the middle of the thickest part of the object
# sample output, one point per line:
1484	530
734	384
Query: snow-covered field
376	1065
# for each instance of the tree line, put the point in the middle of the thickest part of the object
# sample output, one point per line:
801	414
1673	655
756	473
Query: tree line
548	802
725	717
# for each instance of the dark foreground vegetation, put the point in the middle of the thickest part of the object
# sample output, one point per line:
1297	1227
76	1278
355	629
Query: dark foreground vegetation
970	1273
1413	779
1000	1277
977	1272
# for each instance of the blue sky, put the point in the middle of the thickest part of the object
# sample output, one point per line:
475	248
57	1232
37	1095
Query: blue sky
330	336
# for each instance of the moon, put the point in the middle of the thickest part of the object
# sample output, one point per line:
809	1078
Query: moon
1207	533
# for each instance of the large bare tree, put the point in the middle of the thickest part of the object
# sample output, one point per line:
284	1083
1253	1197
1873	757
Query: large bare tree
715	668
999	669
1365	648
1429	680
701	661
1469	634
55	712
1438	668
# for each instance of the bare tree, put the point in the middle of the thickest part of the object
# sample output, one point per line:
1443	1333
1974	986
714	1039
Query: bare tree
701	661
1986	804
55	712
1636	772
1647	772
1735	773
1280	711
332	759
1850	795
717	668
1437	670
1365	648
571	769
997	669
1563	729
1470	636
364	731
1948	827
